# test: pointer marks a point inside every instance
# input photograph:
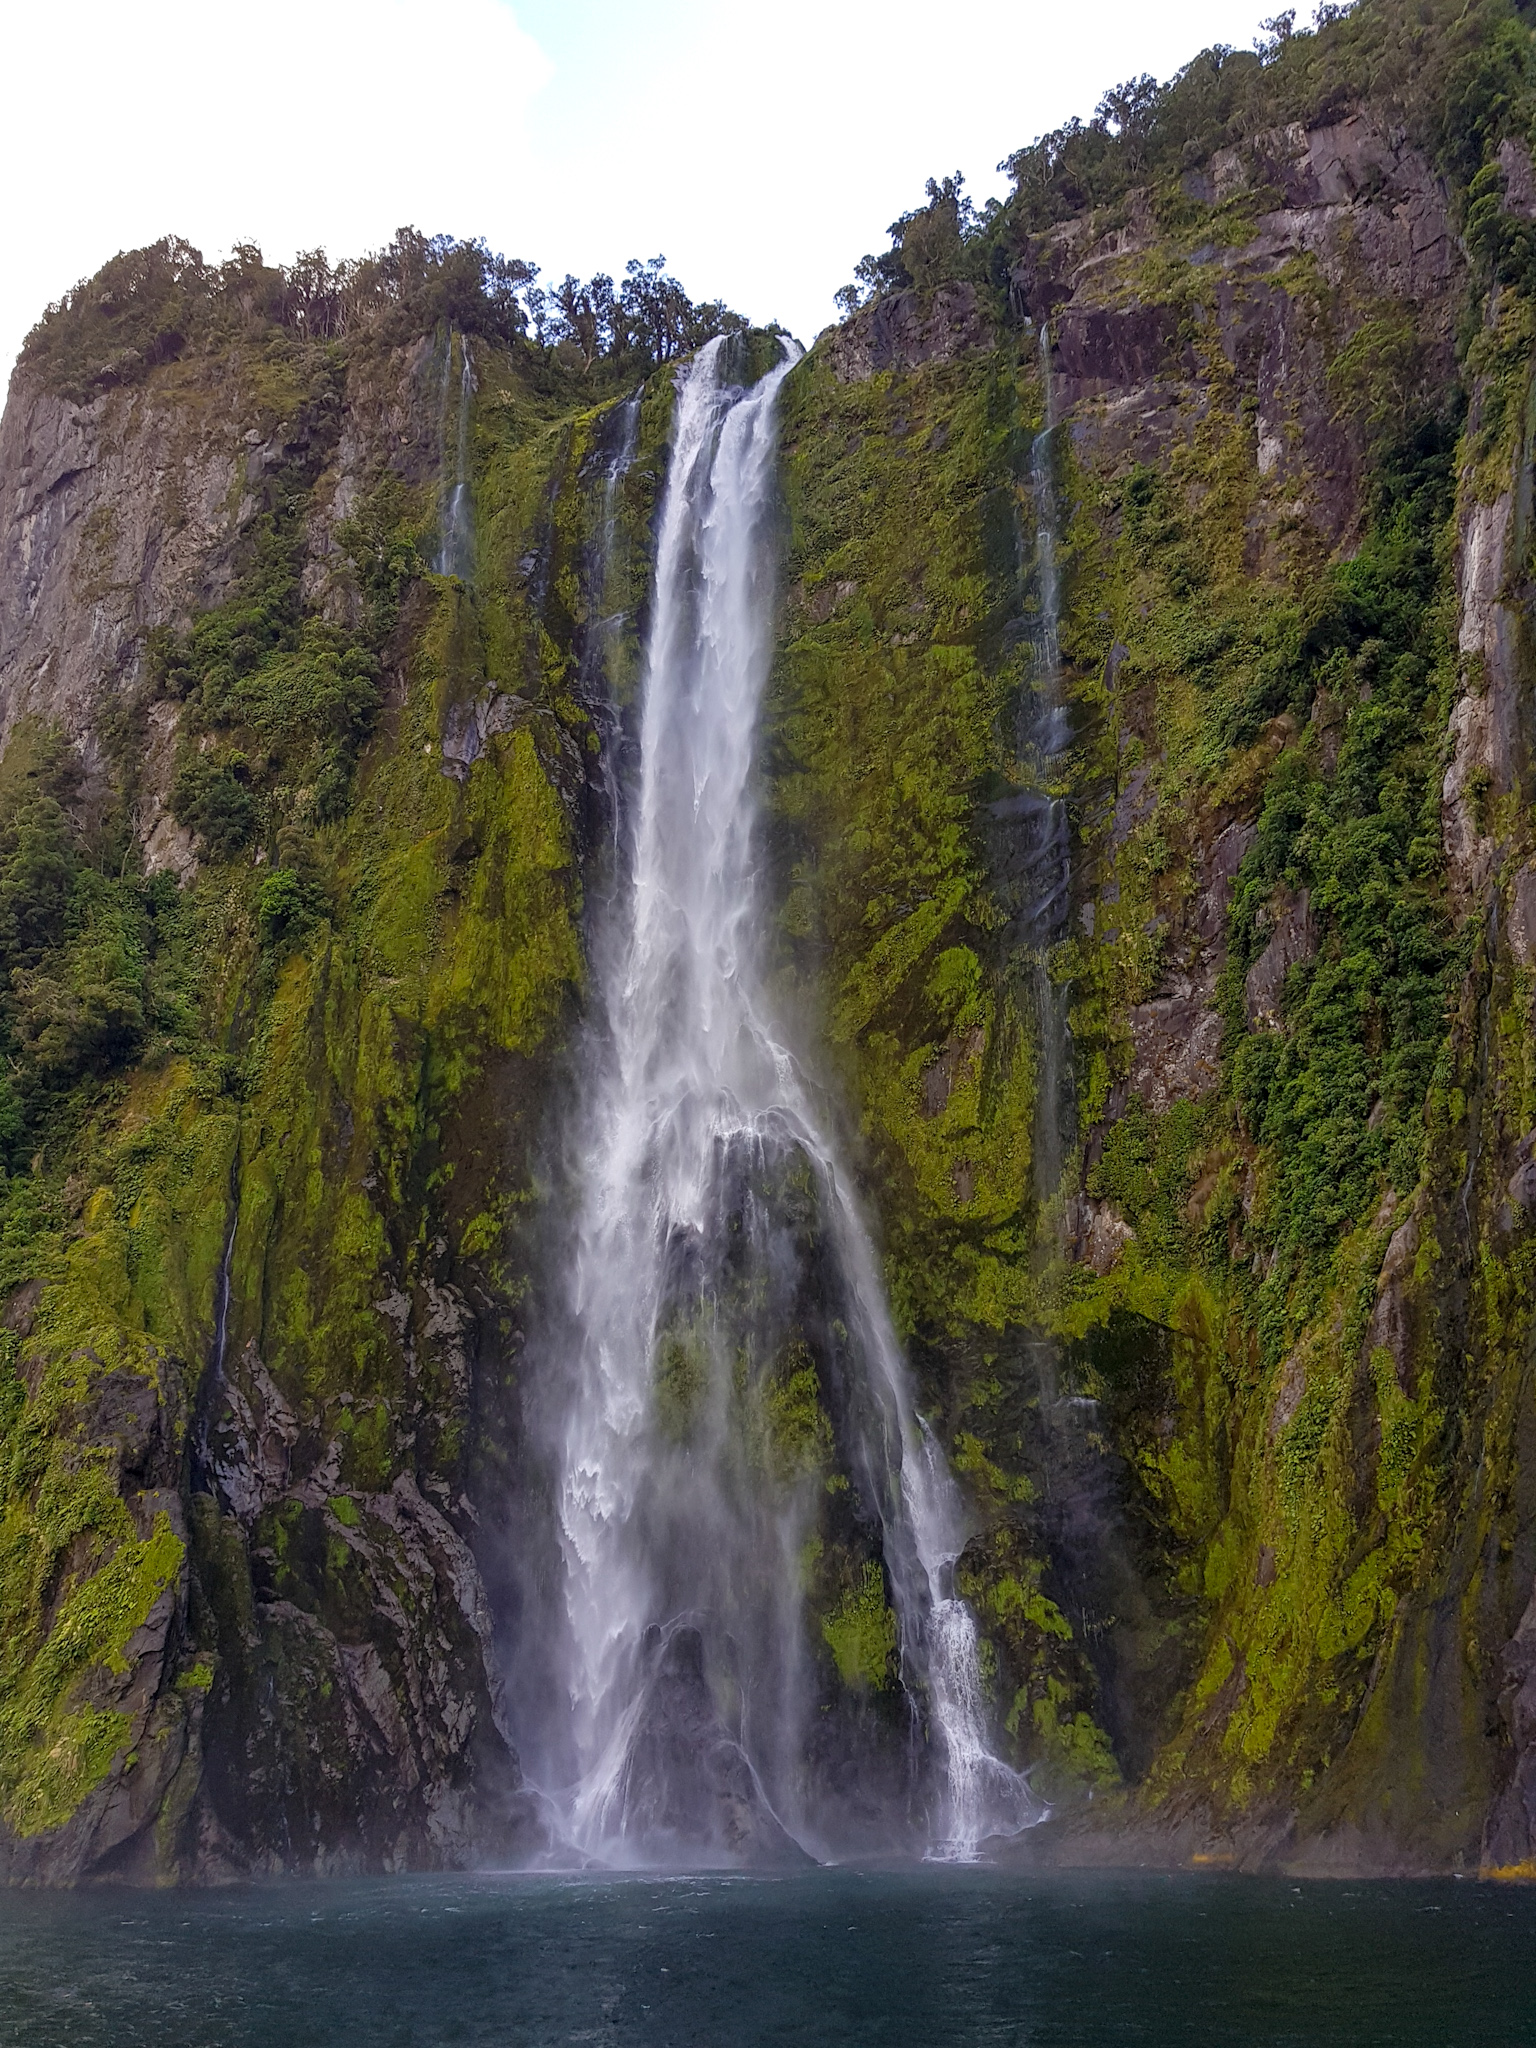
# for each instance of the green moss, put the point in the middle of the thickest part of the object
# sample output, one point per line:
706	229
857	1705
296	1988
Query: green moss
861	1634
681	1382
1072	1747
56	1746
796	1425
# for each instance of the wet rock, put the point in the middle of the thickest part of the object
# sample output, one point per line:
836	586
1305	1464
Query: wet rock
1520	924
1135	803
1176	1041
904	330
469	728
939	1080
1519	1200
1099	349
1514	161
1176	1035
1218	874
1293	939
1102	1235
1485	720
1521	1189
1290	1387
687	1787
1509	1837
1391	1325
20	1310
1371	215
123	1415
250	1438
122	501
168	846
355	1721
130	510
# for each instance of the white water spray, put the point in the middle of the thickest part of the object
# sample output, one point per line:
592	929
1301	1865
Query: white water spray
697	1095
455	554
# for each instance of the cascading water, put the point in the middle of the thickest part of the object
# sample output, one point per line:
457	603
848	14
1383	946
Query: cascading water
707	1171
1046	738
607	620
455	554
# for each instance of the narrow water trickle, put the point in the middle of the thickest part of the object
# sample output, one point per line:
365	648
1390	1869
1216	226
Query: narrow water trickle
714	1219
455	554
203	1466
607	620
1046	737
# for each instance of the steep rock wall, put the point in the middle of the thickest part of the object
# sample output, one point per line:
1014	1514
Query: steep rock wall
262	1244
1243	1403
1240	1398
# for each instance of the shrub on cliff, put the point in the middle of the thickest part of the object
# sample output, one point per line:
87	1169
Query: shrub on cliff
150	306
930	246
1454	72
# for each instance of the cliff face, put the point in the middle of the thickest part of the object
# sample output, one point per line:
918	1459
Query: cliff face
1147	788
243	1623
1257	1536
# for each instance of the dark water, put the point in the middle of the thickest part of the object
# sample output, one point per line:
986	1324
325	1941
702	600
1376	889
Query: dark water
942	1957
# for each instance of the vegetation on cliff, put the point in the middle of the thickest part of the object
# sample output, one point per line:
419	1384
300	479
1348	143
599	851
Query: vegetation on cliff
1265	634
157	305
291	937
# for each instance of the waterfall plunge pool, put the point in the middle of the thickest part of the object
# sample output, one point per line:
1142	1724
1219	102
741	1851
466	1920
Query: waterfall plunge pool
956	1958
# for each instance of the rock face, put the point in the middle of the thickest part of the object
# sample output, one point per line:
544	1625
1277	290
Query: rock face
268	1646
905	329
1291	940
1285	1282
1511	1830
1147	806
689	1791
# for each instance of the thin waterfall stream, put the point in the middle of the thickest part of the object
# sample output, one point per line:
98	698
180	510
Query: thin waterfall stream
1046	737
713	1210
607	622
455	554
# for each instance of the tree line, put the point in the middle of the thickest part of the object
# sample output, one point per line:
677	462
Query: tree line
1453	73
151	305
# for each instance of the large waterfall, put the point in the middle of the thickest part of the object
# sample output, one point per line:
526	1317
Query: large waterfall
712	1206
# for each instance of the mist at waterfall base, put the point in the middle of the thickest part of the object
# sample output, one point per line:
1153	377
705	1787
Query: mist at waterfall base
663	1693
909	1958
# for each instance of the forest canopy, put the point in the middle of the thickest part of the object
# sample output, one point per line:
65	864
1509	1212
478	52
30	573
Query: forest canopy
153	305
1456	73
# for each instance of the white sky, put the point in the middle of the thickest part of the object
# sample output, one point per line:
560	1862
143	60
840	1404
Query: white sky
763	149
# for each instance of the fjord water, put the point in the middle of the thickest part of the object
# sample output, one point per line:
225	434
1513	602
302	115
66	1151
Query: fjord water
702	1138
908	1959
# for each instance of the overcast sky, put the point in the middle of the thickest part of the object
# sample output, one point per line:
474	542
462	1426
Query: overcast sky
762	149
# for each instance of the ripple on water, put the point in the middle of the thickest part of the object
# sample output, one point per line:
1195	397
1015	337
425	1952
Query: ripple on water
958	1957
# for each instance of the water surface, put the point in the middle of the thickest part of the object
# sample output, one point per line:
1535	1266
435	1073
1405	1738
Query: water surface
953	1957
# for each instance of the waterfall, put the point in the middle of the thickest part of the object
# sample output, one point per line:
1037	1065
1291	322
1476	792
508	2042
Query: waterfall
1045	738
212	1390
611	458
1043	484
598	681
709	1182
455	554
